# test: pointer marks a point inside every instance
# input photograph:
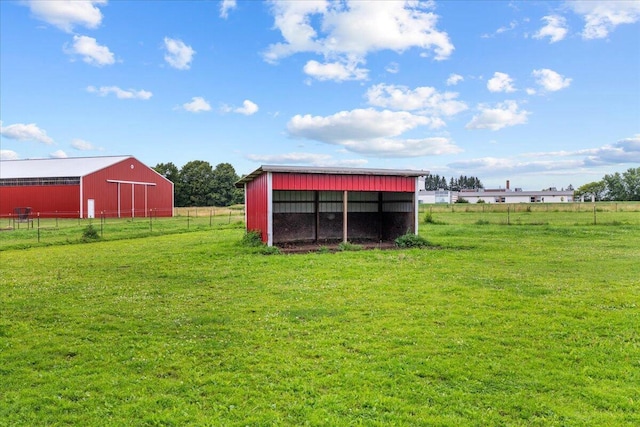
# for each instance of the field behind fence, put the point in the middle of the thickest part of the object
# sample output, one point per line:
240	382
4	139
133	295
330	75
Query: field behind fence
52	231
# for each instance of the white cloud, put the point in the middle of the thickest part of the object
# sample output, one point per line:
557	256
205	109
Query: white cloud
8	155
197	105
346	32
556	28
248	108
530	91
372	132
225	7
120	93
550	80
512	25
454	79
603	16
59	154
23	132
91	51
625	151
500	82
82	145
178	55
66	14
392	68
305	159
335	71
426	99
505	114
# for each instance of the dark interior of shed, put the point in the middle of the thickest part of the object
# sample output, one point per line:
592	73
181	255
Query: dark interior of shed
318	216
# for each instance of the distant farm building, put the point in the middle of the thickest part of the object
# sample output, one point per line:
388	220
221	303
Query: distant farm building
313	204
84	187
500	195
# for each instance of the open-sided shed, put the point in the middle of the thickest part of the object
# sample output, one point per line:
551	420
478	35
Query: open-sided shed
84	187
314	204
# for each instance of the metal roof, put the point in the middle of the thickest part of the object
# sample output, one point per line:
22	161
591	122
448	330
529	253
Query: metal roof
328	171
53	168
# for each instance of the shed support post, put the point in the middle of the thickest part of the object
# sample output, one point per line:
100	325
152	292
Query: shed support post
345	214
316	208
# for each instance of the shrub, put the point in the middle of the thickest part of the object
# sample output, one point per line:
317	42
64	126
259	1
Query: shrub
481	201
90	233
428	219
461	200
348	246
411	240
252	238
270	250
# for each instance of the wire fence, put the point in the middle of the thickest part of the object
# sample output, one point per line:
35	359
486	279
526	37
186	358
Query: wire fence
41	230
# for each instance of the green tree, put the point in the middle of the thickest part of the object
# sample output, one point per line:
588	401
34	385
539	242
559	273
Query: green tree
223	190
168	170
196	178
596	189
631	180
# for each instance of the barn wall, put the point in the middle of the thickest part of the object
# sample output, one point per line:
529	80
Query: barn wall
256	195
157	201
51	201
298	181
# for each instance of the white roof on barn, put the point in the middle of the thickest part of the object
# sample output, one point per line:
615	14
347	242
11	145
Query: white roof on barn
54	168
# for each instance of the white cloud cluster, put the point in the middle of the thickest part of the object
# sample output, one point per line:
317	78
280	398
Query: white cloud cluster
314	159
58	154
425	100
500	82
344	33
178	55
8	155
603	16
371	132
82	145
226	6
625	151
454	79
92	53
66	14
25	132
555	29
197	105
120	93
550	80
504	114
248	108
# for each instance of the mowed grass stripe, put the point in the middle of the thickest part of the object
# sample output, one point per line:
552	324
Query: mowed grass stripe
524	325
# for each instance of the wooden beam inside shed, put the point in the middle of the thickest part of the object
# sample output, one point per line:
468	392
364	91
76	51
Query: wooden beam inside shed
345	214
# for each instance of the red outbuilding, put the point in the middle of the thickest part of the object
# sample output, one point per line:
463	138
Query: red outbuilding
314	204
84	187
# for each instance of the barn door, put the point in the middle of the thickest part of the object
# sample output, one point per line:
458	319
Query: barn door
91	208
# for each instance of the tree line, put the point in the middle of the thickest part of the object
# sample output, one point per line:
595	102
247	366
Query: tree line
437	182
615	187
197	183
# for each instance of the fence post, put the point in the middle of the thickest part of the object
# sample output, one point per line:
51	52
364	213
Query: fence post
508	215
210	217
188	220
151	220
594	214
38	227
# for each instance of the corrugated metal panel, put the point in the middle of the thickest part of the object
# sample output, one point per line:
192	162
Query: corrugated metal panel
50	201
116	198
294	181
256	208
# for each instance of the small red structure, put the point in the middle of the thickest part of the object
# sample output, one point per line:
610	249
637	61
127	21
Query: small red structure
313	204
84	187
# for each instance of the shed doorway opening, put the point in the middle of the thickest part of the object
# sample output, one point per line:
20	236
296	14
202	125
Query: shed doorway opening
325	216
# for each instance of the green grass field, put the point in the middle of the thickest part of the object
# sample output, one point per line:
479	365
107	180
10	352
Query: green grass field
535	323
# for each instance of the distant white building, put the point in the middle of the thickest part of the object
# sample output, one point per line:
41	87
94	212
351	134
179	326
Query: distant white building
505	195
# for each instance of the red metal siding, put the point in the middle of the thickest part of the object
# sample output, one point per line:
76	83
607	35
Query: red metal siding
61	201
296	181
158	200
257	206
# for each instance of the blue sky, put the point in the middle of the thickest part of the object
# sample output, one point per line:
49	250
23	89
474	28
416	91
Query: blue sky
544	94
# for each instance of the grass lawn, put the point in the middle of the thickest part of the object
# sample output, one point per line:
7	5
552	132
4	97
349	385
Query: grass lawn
498	325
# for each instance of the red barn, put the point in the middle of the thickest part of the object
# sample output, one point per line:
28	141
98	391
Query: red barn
84	187
312	204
